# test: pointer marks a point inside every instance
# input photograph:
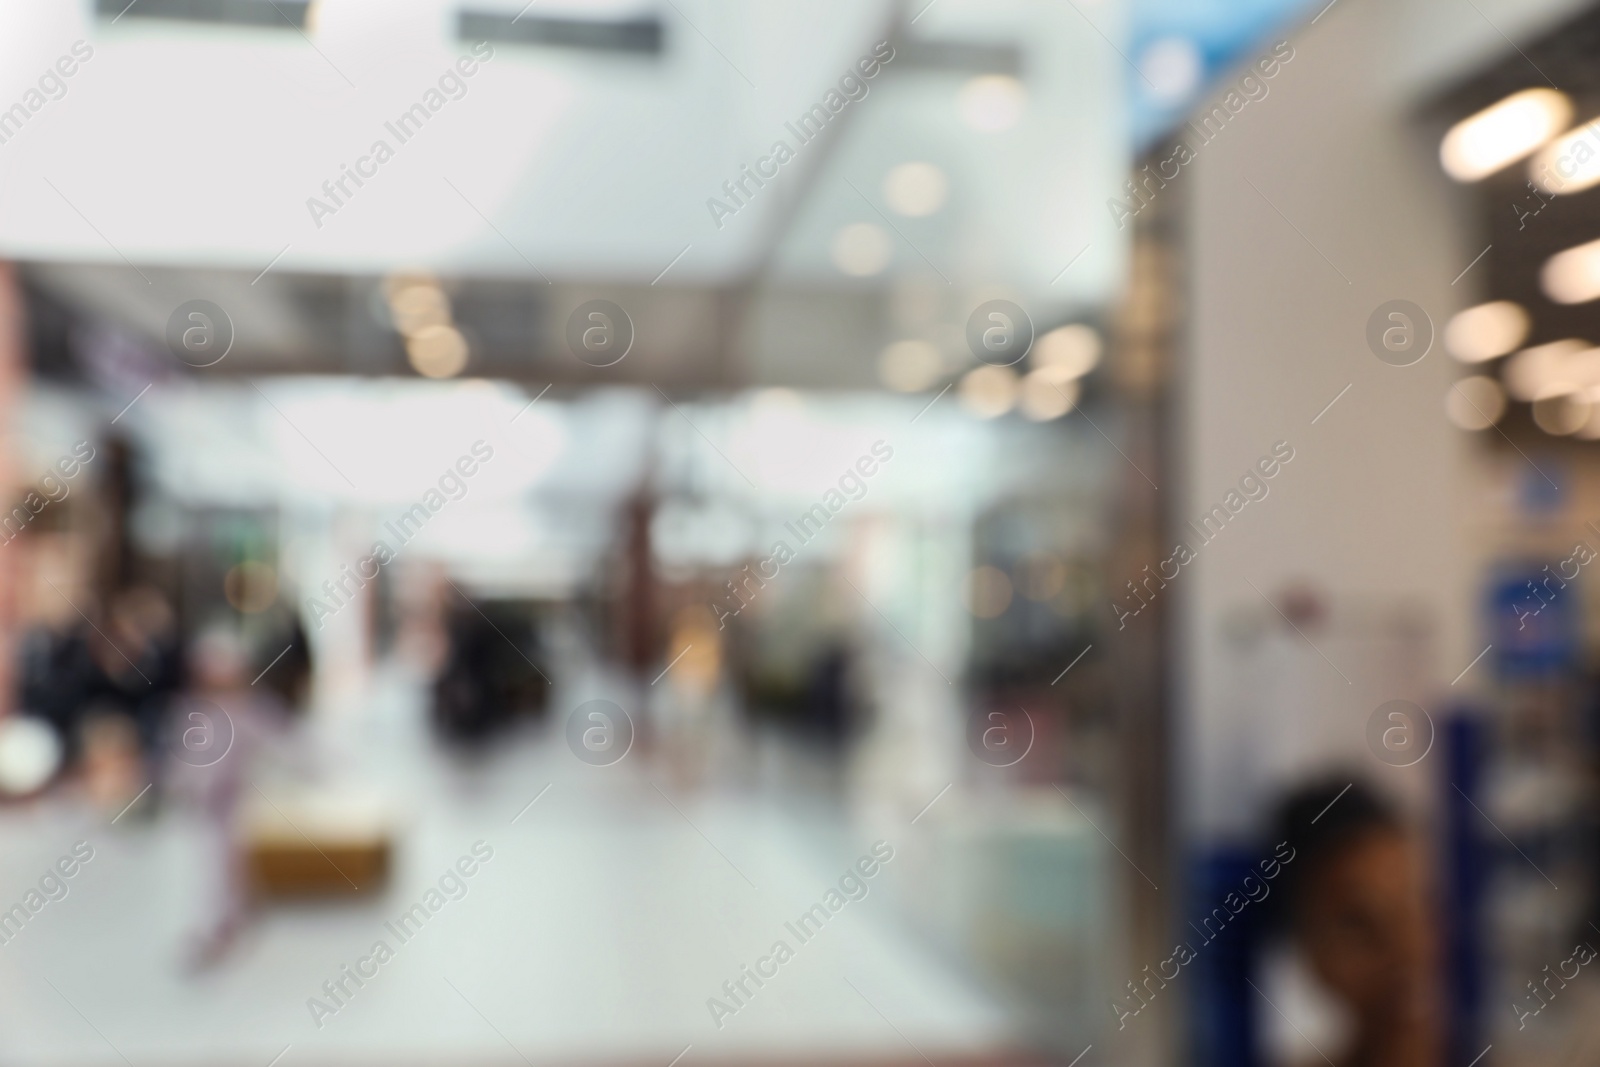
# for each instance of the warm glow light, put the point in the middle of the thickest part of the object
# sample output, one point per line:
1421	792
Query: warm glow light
1044	398
1573	276
1067	353
1040	576
862	249
251	587
1475	403
1590	430
416	307
1478	146
1561	415
988	592
1486	331
1546	370
1570	163
909	366
915	189
437	351
1577	372
401	279
989	391
993	102
779	410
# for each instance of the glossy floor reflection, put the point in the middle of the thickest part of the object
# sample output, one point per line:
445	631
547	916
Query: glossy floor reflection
606	916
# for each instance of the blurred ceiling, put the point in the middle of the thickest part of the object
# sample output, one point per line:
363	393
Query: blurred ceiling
1515	231
586	148
1179	47
195	153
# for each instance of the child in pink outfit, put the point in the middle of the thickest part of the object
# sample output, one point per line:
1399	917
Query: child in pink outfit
219	730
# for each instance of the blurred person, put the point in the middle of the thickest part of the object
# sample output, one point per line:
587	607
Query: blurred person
219	732
489	676
829	701
283	663
691	710
144	668
1355	899
59	679
462	707
122	693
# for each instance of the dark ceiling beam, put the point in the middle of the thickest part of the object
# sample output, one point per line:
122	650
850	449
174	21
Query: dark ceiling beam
260	14
742	301
289	323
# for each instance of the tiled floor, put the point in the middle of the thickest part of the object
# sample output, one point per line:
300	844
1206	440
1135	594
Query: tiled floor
608	915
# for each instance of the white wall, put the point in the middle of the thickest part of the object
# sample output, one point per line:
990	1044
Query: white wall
1368	511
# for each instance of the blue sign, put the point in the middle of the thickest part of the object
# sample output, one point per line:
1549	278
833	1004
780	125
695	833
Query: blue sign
1534	622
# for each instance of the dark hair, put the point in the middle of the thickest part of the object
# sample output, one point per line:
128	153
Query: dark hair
1318	820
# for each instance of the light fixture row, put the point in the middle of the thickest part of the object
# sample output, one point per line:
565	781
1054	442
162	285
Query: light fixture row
1561	379
1059	360
421	313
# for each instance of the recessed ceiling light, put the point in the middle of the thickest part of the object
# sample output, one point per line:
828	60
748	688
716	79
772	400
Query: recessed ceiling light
915	189
988	391
1475	403
1561	415
1590	430
1067	352
909	366
437	351
1486	331
1570	163
862	249
1573	276
1503	133
401	279
1545	370
993	102
416	307
1044	398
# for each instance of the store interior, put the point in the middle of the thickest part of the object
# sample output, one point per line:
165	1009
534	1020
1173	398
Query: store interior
1079	508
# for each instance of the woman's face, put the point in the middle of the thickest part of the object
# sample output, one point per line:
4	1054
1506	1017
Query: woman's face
1364	926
